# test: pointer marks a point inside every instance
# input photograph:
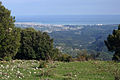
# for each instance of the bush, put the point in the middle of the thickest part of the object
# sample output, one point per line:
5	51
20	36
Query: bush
84	56
43	64
7	58
65	58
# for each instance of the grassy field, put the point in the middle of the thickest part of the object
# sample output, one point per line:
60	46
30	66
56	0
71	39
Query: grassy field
30	70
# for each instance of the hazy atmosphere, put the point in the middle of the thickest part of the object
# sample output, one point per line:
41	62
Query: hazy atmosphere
59	39
63	7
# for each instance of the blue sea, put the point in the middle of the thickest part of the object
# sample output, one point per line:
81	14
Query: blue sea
71	19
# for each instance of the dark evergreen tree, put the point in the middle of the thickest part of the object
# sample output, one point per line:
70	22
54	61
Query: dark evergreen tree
113	43
9	35
35	45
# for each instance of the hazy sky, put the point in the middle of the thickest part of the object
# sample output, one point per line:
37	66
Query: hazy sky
63	7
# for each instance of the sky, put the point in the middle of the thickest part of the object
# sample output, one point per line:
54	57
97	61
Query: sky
62	7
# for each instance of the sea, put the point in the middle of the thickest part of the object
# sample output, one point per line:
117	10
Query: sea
70	19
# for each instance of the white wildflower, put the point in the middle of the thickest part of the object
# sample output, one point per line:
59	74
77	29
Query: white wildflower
7	66
30	72
18	71
12	69
2	66
75	75
8	76
19	77
36	68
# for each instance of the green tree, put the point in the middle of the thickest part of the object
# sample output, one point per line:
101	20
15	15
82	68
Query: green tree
9	35
64	57
113	44
26	51
36	45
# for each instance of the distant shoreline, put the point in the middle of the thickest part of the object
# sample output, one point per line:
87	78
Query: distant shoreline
37	23
71	20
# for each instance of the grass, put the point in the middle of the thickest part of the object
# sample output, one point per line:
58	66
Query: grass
87	70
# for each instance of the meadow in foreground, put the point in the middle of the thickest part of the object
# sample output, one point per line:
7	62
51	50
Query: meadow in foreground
32	70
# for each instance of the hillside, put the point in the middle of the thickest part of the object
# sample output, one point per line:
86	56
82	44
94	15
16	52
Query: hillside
73	38
21	69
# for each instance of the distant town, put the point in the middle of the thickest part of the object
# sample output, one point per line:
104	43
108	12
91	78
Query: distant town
50	27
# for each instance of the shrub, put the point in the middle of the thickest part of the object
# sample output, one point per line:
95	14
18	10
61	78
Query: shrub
43	64
47	73
84	56
7	58
65	58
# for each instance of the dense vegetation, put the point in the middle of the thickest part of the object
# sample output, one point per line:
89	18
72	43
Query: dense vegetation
90	38
16	43
9	35
35	45
29	44
32	45
113	43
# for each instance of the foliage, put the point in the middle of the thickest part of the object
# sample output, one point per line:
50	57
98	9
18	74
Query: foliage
84	56
103	56
90	37
64	57
32	44
36	45
9	35
55	54
43	64
113	43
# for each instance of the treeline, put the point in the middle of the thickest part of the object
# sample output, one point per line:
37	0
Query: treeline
28	44
36	45
16	43
9	35
113	43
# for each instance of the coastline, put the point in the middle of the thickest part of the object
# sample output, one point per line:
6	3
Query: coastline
38	23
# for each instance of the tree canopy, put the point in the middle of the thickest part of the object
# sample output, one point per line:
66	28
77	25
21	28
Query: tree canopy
35	45
9	35
16	43
113	43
